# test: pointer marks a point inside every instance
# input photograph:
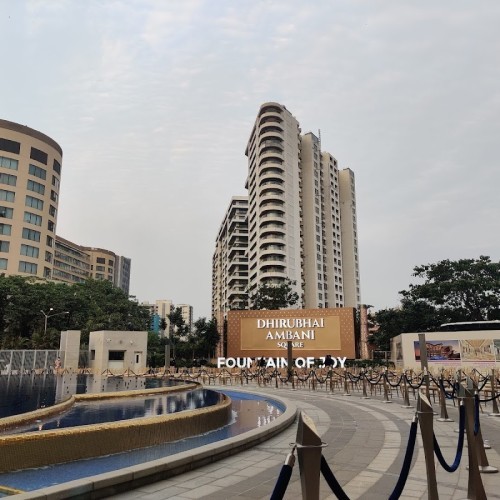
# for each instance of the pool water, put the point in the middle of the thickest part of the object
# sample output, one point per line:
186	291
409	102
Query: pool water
114	410
23	393
250	411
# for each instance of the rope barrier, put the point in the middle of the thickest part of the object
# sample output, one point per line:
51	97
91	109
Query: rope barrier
405	469
460	445
284	477
332	480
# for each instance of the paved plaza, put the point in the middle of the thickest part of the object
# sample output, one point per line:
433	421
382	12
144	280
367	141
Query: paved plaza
366	441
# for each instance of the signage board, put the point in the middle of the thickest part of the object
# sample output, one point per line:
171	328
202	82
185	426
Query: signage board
313	332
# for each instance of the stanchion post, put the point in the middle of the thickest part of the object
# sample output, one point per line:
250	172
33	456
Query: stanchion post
384	383
495	412
346	387
482	459
442	401
423	362
309	448
475	488
406	393
425	418
365	394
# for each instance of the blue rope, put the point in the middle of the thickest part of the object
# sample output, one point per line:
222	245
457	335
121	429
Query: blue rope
282	482
332	480
477	425
405	469
460	445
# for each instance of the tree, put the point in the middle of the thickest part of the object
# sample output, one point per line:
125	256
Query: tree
93	305
274	296
462	290
178	332
205	338
409	317
452	291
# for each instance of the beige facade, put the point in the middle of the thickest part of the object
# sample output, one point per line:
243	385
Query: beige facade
75	263
187	315
300	221
118	352
229	262
30	176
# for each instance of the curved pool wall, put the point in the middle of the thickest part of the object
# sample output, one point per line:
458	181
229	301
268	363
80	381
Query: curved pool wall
36	449
58	408
22	393
122	480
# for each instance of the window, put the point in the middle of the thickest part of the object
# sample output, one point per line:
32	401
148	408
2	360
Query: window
100	268
48	257
8	163
55	182
52	210
50	225
35	186
110	262
8	179
57	167
53	196
27	267
34	202
31	234
116	355
46	272
50	241
7	195
4	246
101	260
29	251
33	218
38	171
38	155
10	146
5	229
92	355
6	212
3	262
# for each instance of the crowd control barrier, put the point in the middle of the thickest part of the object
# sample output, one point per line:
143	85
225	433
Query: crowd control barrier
313	465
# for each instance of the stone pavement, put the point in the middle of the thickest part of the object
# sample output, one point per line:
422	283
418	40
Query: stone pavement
366	440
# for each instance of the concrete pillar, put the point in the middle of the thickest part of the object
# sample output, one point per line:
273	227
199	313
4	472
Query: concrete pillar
70	347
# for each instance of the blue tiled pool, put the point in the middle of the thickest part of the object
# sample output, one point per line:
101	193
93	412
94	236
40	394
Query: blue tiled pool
250	411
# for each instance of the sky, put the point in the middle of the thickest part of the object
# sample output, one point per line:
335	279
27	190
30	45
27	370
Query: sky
153	102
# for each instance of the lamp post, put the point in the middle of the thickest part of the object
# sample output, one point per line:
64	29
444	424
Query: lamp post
48	315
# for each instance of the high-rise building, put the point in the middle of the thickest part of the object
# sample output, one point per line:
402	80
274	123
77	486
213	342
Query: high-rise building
229	262
187	315
30	176
300	223
163	308
75	264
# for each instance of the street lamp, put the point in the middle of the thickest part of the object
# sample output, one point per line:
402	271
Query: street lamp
48	315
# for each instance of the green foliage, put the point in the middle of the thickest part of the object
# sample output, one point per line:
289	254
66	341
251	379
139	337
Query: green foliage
93	305
462	290
274	296
452	291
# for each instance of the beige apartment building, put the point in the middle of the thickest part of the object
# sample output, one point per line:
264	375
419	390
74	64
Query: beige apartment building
74	263
300	221
30	177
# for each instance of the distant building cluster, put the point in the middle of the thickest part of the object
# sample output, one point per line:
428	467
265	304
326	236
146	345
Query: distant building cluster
298	222
30	178
161	309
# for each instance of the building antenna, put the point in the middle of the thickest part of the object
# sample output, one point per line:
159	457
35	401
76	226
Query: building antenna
319	137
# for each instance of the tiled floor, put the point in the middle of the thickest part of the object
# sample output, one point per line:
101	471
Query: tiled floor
366	441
